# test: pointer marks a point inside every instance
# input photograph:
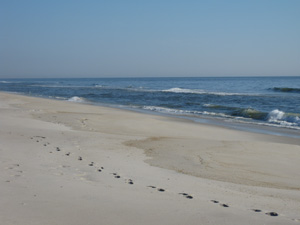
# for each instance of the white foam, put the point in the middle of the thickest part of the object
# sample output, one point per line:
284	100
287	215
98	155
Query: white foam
279	117
182	112
76	99
181	90
57	97
275	115
101	86
165	110
198	91
275	118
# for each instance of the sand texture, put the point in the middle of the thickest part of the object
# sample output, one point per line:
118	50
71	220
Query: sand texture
68	163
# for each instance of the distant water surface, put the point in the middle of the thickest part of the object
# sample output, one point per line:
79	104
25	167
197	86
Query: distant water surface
267	101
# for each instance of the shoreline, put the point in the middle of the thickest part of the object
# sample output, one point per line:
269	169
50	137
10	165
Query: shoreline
258	128
251	127
151	166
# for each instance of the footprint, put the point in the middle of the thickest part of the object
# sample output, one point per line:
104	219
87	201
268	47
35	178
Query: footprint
130	181
159	189
117	176
46	144
256	210
40	137
91	164
100	169
185	194
151	186
67	154
57	149
224	205
80	158
215	201
272	214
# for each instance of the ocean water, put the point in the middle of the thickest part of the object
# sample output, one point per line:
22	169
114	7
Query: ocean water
263	101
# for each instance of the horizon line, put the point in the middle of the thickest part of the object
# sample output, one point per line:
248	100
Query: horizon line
130	77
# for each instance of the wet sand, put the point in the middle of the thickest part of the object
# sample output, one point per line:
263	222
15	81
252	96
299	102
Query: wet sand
68	163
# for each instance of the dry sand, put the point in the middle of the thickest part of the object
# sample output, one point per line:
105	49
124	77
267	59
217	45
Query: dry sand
67	163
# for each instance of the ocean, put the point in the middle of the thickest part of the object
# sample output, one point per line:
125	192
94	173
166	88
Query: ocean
251	103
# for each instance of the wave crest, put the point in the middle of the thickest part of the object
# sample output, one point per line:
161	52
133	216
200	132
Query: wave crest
75	99
249	113
180	111
287	119
239	112
199	91
286	89
182	90
274	118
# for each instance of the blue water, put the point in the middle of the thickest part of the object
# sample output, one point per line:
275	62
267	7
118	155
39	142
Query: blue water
268	101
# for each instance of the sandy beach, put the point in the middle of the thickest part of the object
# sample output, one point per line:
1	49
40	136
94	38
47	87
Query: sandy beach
70	163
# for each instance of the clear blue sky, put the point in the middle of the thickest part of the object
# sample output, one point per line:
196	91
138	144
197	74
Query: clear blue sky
125	38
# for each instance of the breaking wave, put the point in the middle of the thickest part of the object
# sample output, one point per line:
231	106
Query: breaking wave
76	99
197	91
182	112
181	90
275	117
240	112
286	119
286	89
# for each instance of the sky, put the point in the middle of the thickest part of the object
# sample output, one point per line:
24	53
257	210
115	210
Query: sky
157	38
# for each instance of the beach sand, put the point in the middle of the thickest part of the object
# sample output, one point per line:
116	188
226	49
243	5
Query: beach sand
69	163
